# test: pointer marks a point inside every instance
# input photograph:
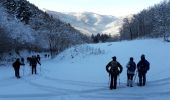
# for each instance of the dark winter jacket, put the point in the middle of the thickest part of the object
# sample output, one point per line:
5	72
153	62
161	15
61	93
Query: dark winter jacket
114	67
131	67
17	64
34	61
143	66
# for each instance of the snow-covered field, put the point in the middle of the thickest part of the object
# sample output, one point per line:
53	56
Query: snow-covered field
79	74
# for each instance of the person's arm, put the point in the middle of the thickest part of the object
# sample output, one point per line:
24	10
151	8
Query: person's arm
138	65
135	65
127	65
107	67
120	67
21	63
38	62
148	65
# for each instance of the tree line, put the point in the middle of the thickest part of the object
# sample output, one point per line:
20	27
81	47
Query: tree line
151	22
104	38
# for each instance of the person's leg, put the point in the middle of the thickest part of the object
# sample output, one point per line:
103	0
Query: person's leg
32	69
131	80
115	81
18	73
35	69
140	79
111	82
128	78
144	79
15	72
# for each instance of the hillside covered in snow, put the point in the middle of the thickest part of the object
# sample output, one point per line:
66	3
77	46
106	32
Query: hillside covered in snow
24	26
90	23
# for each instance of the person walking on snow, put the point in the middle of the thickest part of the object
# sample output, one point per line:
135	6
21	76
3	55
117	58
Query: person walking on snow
143	66
16	65
114	69
34	62
131	67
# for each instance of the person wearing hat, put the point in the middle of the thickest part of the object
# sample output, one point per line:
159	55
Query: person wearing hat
131	67
114	69
143	66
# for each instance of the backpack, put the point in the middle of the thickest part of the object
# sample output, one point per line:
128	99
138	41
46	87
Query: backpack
131	67
144	66
14	64
34	61
114	67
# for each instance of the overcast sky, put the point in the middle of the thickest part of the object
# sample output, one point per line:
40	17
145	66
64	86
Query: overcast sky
106	7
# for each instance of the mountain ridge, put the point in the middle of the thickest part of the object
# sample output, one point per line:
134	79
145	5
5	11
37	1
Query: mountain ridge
90	23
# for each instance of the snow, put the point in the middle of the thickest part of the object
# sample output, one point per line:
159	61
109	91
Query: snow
79	74
19	31
90	23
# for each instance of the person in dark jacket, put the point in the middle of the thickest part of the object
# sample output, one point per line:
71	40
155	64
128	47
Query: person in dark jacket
16	65
131	67
34	62
143	66
114	69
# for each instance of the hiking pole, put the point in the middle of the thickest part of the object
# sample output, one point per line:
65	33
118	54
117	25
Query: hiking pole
135	77
109	80
119	80
40	69
23	70
22	61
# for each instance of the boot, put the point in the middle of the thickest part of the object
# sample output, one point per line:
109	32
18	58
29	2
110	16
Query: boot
131	83
128	82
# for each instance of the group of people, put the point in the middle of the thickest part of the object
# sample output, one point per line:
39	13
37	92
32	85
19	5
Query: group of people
114	68
33	61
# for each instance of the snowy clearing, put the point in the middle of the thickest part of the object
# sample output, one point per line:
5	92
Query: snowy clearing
79	74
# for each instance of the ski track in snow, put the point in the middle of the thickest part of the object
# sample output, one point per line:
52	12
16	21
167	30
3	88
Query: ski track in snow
101	92
50	87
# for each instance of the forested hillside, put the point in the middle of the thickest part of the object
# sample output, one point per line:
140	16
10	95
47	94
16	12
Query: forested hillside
24	26
151	22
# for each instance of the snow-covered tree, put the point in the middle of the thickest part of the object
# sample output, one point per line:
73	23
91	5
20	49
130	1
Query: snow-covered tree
153	22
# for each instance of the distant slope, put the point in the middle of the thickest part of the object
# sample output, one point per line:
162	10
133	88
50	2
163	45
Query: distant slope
90	23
